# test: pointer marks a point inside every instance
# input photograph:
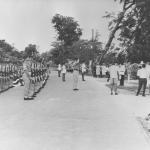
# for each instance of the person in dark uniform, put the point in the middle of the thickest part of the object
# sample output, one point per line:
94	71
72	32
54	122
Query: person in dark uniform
1	77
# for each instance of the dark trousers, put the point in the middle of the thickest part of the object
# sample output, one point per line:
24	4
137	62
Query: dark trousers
63	77
142	82
59	73
101	75
122	80
83	73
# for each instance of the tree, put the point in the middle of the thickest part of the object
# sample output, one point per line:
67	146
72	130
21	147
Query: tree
9	52
135	33
67	28
30	50
85	50
127	4
133	25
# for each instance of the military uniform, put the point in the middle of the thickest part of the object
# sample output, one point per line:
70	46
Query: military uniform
27	79
1	77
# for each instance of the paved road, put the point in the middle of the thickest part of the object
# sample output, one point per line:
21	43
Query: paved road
62	119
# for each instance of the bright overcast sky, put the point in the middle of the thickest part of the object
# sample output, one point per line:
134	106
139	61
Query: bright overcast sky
29	21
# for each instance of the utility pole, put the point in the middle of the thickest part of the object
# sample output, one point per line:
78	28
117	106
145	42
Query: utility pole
92	35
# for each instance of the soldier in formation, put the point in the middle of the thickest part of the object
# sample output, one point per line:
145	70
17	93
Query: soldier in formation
35	77
7	74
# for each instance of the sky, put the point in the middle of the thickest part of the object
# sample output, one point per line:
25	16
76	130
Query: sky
24	22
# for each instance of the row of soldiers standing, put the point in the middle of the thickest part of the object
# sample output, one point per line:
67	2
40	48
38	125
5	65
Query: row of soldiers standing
7	73
35	77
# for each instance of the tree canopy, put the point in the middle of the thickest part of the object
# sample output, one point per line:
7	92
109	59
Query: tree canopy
30	50
133	26
67	28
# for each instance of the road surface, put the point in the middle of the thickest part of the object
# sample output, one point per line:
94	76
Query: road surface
62	119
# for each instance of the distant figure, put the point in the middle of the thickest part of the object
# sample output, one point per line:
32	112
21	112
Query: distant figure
128	68
63	70
76	67
103	70
107	73
83	70
143	75
59	70
121	74
113	71
148	77
98	67
93	69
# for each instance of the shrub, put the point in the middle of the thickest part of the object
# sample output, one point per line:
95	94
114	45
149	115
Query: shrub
134	68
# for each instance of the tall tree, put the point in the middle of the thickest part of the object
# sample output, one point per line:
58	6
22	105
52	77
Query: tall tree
127	5
9	52
31	50
67	28
83	49
135	32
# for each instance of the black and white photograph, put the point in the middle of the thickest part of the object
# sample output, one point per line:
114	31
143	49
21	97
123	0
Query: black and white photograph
74	74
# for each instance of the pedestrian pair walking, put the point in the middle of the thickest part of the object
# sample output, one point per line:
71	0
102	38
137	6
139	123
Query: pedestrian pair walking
62	69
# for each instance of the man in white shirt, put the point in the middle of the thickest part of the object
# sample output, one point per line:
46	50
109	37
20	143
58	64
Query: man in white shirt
113	71
59	70
76	67
142	74
83	70
121	74
148	78
63	72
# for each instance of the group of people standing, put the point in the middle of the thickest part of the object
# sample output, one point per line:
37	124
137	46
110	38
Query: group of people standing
33	75
8	73
117	73
76	69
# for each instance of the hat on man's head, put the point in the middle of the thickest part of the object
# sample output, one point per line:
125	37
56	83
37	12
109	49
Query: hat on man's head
141	62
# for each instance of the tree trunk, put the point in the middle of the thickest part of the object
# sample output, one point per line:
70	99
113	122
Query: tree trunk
111	37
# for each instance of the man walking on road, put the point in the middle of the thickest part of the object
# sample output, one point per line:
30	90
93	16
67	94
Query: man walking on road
143	75
59	70
113	70
76	66
83	70
121	74
63	72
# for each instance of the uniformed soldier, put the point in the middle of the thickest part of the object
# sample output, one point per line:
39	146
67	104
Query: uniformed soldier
6	72
35	80
1	77
27	78
32	81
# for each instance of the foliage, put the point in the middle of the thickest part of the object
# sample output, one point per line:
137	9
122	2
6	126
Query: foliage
83	49
30	50
133	70
8	52
134	31
67	28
